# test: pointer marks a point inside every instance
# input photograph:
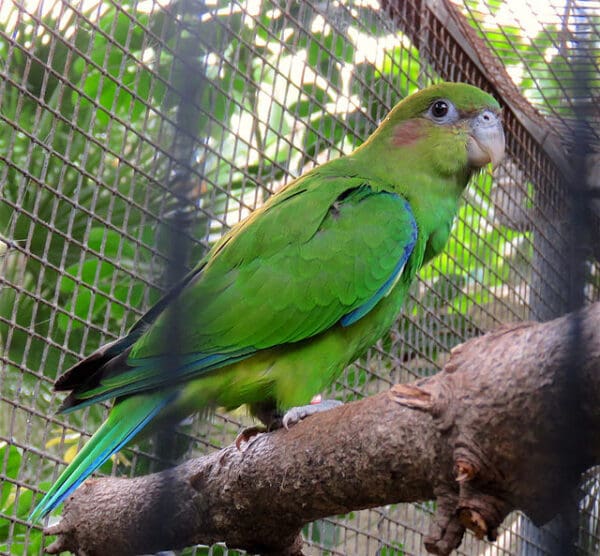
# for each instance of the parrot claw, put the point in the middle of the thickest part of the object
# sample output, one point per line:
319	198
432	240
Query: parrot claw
247	434
296	414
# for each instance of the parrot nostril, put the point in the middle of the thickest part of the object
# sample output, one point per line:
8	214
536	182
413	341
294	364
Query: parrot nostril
486	119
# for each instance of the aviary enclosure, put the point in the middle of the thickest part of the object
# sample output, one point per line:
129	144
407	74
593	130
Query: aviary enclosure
130	128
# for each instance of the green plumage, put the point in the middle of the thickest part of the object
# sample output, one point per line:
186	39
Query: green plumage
295	292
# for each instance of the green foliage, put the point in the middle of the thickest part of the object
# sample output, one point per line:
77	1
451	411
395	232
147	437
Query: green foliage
15	501
478	261
395	549
323	532
96	278
59	178
549	65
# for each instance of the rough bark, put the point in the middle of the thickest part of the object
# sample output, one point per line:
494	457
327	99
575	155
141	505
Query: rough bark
483	437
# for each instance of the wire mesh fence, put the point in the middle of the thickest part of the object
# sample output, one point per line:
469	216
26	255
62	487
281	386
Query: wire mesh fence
123	124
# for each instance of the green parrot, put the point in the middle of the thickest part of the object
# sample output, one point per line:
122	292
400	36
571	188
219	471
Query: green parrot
299	289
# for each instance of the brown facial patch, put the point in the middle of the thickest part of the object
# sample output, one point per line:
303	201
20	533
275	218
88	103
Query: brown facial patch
407	133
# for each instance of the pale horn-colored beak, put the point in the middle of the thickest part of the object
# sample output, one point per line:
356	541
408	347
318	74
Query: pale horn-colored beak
486	141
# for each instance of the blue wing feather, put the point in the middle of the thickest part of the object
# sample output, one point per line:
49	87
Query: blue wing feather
120	427
359	312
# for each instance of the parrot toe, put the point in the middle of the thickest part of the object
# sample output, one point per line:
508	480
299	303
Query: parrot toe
296	414
247	434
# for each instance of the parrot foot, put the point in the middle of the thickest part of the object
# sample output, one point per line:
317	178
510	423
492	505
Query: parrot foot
247	434
296	414
273	419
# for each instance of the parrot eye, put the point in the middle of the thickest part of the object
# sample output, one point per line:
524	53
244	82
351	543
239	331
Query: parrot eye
439	108
442	112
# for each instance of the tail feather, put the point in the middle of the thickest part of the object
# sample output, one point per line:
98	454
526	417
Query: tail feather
126	419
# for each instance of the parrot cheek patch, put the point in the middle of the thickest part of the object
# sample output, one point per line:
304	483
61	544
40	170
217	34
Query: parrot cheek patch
407	133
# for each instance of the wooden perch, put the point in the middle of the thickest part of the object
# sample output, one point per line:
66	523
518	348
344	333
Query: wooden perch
487	435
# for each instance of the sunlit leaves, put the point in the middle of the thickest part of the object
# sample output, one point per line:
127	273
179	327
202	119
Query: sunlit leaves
94	283
15	500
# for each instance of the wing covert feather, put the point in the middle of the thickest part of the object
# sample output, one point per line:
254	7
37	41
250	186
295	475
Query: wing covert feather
295	268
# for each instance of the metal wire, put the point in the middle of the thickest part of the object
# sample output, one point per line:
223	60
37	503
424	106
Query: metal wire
121	120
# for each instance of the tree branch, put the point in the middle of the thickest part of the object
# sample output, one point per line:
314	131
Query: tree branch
483	437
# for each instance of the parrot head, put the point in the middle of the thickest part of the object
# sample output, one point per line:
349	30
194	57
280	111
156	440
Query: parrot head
454	128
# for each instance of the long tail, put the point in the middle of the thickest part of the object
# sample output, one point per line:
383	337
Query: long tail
126	419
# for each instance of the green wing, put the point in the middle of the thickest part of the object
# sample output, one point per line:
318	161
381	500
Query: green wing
321	253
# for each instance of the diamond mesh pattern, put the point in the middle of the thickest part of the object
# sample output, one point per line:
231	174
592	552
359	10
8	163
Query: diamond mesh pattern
123	121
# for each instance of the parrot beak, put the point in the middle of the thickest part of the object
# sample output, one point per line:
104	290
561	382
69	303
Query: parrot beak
486	140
